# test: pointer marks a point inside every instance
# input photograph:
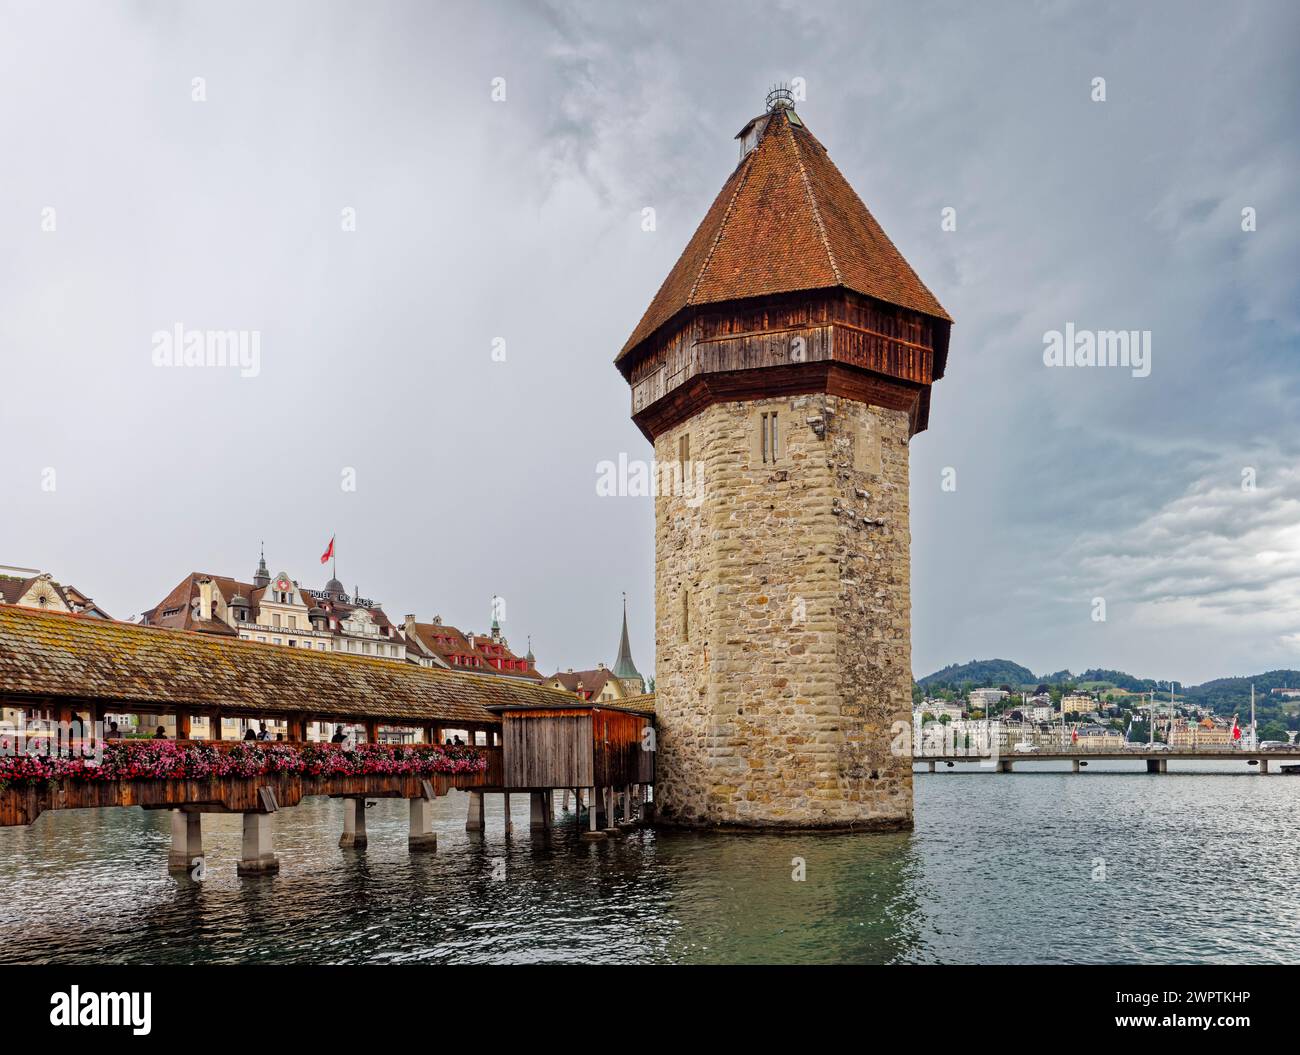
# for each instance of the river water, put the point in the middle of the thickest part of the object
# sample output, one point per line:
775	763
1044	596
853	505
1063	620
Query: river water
1039	866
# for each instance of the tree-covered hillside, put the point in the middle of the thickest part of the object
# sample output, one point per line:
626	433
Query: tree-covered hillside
978	674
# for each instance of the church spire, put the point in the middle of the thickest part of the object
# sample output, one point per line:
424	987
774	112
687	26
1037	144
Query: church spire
261	577
624	669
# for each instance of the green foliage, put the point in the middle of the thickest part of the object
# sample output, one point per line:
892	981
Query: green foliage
979	674
1272	731
1120	679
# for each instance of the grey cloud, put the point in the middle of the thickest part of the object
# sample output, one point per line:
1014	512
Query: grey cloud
521	220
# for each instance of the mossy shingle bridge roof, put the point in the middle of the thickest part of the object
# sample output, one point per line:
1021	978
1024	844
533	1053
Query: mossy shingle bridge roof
49	656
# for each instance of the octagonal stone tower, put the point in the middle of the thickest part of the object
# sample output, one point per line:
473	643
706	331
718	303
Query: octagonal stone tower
780	372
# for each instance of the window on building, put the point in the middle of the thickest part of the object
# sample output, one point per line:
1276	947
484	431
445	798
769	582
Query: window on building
686	613
769	438
684	449
275	619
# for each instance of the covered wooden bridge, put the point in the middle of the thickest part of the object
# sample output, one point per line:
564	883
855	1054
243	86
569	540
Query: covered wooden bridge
62	676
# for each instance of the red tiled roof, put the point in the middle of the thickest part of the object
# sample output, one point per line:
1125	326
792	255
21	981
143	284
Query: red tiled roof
592	681
12	587
787	220
483	649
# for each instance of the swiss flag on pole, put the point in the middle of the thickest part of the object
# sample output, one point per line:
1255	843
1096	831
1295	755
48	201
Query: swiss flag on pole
329	552
1236	729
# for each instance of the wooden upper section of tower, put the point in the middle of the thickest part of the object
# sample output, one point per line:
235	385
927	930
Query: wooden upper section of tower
788	285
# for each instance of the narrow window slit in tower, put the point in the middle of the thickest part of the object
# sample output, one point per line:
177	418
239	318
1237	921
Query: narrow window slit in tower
769	436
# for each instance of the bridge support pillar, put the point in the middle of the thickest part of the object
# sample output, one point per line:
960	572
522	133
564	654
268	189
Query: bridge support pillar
187	841
1074	763
1157	765
591	834
422	838
610	802
1004	765
931	765
1263	765
474	816
258	856
538	818
354	824
505	803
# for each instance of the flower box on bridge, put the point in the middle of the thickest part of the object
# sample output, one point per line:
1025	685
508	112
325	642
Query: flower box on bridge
231	777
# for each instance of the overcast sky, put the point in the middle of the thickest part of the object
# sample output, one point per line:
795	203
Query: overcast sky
521	220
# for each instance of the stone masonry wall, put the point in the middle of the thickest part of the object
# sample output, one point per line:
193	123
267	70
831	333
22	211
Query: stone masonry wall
783	619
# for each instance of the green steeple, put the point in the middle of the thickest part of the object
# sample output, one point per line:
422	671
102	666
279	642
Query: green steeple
624	668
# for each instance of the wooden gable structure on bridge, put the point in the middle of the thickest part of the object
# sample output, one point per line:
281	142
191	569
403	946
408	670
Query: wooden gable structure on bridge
578	744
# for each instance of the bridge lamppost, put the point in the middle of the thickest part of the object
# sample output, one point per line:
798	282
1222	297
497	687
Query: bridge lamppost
1169	733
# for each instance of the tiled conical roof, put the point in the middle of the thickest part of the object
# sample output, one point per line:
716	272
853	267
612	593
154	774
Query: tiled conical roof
786	221
623	666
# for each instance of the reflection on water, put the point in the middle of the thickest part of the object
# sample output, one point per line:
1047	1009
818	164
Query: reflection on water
1029	867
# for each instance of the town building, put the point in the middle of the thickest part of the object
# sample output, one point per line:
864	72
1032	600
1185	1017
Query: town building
275	610
784	366
1077	703
1092	737
33	588
1204	733
601	685
940	709
439	644
983	699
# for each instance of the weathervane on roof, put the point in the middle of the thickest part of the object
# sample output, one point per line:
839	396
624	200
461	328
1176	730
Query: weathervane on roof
780	98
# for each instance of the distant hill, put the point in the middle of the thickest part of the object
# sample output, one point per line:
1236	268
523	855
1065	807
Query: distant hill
1120	679
979	674
1232	695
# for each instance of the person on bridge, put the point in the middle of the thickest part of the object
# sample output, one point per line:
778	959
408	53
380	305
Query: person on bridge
161	734
338	736
113	732
249	734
